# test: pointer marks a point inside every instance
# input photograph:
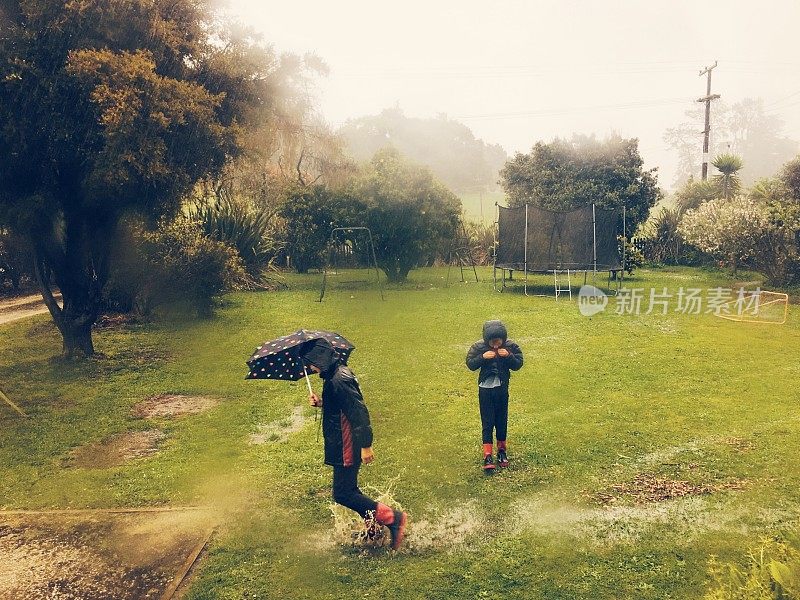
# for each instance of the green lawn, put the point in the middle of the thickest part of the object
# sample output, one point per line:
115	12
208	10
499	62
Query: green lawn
598	402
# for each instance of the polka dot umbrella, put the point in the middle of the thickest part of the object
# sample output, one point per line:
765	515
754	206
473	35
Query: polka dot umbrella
280	358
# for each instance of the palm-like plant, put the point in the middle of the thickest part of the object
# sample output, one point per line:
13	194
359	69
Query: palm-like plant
727	180
240	225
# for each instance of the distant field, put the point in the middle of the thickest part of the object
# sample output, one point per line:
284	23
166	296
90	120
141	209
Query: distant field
480	206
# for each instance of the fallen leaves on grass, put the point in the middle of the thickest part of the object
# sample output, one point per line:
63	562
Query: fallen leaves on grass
172	405
114	321
647	487
739	444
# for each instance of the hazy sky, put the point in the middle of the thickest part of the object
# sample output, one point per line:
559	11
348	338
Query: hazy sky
516	72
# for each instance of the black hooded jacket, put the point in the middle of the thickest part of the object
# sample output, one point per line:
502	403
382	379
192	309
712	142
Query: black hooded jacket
345	418
500	366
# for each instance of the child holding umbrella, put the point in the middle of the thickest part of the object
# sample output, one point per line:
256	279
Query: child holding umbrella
348	435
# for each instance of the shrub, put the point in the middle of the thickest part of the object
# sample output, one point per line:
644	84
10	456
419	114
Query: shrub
790	178
481	240
745	232
15	259
694	193
175	263
634	258
186	265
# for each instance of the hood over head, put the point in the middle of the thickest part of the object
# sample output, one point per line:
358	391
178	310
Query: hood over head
493	330
321	354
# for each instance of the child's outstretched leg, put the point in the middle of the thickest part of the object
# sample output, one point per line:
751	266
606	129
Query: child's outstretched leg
346	493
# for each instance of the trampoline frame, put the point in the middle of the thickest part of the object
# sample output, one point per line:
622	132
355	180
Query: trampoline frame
511	267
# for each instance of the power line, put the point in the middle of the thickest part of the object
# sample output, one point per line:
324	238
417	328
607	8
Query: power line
563	111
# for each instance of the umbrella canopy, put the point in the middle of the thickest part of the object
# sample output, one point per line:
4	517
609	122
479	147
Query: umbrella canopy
280	358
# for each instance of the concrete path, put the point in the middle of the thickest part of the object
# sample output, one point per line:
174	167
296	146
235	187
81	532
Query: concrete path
22	307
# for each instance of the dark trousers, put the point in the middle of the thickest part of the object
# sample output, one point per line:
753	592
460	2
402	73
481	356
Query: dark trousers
494	412
346	492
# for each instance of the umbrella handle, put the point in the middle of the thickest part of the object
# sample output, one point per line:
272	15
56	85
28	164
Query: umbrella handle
308	381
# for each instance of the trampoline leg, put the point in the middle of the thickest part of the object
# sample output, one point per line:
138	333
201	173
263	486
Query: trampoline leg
555	282
569	285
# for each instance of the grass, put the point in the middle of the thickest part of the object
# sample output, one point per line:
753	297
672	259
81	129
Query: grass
598	402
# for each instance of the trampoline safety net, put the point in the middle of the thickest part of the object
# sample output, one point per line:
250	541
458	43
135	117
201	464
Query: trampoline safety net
558	240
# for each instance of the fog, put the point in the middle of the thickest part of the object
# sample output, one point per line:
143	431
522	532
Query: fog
517	72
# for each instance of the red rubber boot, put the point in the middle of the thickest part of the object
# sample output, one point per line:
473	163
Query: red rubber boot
488	461
502	455
395	520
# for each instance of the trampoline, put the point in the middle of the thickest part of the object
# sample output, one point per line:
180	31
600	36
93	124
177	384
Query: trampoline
538	241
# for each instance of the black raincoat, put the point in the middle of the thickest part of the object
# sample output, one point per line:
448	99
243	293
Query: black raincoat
345	418
500	366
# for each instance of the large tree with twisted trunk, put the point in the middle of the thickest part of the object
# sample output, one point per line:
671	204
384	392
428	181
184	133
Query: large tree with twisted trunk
109	107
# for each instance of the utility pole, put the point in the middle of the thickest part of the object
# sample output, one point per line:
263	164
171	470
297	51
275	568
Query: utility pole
707	99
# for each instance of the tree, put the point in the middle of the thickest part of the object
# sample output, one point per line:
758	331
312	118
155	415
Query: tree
409	212
310	214
109	107
564	175
447	147
727	180
790	179
744	129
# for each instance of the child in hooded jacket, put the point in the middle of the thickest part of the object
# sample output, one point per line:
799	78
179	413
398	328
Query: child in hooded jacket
496	356
347	434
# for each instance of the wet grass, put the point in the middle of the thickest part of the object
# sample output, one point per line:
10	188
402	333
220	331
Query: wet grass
599	403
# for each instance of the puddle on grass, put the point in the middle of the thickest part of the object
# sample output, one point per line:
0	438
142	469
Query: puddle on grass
451	528
648	502
116	450
687	517
697	447
280	430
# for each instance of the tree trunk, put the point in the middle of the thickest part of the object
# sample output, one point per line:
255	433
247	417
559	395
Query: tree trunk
77	336
80	303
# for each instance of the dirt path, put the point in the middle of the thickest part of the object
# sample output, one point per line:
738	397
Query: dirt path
23	307
89	555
